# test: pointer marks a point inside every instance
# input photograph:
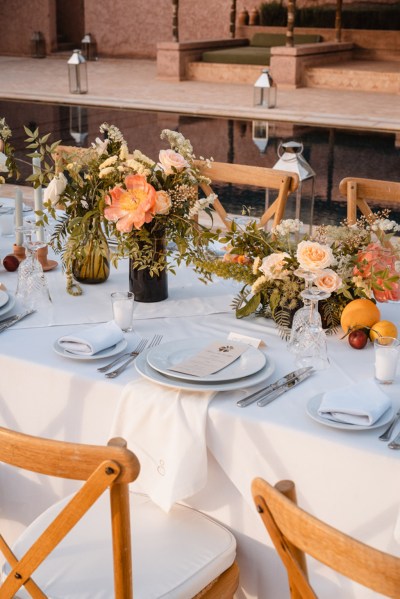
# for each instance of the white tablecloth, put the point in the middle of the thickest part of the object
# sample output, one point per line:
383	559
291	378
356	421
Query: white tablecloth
350	480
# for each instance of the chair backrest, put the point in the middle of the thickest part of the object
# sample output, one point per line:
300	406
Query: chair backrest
257	176
294	533
111	467
358	191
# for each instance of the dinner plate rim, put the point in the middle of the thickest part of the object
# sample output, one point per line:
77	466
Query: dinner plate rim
205	379
8	306
312	411
145	370
2	305
105	353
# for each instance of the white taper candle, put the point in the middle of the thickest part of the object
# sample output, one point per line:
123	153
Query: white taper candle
38	198
19	237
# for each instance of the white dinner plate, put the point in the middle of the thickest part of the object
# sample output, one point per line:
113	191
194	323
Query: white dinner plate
167	355
4	297
105	353
144	368
8	306
312	410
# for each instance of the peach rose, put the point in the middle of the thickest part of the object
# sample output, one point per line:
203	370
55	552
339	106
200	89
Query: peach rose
163	203
171	161
274	266
313	256
328	280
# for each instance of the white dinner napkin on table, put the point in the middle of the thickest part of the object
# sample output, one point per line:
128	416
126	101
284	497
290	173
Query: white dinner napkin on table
92	340
166	429
360	403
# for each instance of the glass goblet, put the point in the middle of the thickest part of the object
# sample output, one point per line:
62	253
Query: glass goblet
305	314
311	347
32	289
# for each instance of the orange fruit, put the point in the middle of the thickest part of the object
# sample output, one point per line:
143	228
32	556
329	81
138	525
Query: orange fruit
383	328
358	314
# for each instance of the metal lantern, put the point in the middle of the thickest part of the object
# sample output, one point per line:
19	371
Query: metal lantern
260	135
89	47
78	124
291	159
38	45
265	90
77	72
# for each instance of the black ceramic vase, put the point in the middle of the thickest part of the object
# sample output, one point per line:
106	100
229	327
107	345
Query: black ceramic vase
147	288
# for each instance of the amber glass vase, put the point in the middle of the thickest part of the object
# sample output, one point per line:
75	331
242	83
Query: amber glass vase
91	262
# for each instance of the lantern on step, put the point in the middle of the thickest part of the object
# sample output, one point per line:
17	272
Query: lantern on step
260	134
291	159
38	45
77	72
89	47
265	90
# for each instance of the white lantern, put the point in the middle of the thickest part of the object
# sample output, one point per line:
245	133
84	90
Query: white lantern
77	72
265	90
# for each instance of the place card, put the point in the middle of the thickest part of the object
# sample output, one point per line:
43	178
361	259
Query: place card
253	341
211	359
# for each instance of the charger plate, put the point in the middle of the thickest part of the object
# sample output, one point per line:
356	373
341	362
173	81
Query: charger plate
167	355
144	368
312	410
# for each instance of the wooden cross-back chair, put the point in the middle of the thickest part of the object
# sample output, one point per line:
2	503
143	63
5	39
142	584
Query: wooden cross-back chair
81	546
295	533
257	176
359	191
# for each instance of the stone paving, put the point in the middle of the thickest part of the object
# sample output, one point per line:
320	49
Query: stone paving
125	83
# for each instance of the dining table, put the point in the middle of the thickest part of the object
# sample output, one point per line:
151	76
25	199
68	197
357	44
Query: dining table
198	446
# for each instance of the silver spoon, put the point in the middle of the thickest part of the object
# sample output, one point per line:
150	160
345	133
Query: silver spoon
385	436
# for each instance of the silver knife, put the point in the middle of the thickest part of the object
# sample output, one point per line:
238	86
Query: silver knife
285	387
15	320
395	443
242	403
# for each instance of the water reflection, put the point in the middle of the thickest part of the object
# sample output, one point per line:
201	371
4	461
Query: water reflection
332	153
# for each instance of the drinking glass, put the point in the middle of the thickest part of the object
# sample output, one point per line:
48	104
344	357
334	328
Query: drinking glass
32	289
122	307
308	339
386	359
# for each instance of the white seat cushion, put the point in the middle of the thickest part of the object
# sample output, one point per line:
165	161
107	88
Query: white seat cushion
175	555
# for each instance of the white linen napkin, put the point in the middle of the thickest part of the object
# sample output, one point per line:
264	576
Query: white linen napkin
166	429
360	403
92	340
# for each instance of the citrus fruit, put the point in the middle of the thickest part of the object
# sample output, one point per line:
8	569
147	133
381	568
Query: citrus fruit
383	328
358	314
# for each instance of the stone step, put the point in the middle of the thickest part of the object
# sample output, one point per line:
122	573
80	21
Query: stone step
368	76
223	73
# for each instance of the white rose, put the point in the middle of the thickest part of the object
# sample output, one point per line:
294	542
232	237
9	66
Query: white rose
170	160
55	188
313	256
3	159
328	280
274	266
163	203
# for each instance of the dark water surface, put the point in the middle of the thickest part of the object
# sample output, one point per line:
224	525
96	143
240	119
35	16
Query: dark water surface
332	153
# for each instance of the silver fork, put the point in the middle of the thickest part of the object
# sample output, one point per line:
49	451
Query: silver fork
111	375
385	436
140	347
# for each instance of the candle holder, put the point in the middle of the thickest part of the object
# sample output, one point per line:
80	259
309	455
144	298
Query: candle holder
19	252
41	255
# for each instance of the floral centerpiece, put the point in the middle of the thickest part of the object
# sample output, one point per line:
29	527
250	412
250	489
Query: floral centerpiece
106	193
266	262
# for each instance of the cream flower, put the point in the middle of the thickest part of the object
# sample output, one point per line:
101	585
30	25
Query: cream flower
124	152
313	256
163	203
55	188
171	161
106	171
274	266
100	145
259	284
3	159
109	162
328	280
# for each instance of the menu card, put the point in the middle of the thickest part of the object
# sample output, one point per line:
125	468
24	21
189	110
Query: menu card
211	359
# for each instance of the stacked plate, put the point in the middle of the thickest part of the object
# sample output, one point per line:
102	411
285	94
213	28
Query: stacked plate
251	368
7	302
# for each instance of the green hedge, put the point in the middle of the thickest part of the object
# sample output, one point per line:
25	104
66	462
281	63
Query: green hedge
354	16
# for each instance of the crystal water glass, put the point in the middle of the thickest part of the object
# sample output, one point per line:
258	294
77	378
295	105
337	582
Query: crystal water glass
32	289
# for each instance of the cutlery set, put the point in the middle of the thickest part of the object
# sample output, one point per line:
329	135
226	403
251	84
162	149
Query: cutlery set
385	436
264	396
8	322
129	357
